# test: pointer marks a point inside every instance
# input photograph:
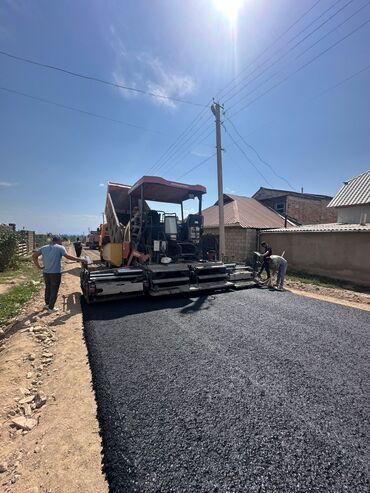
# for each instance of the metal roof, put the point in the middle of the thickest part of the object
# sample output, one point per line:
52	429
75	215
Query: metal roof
323	228
244	212
355	191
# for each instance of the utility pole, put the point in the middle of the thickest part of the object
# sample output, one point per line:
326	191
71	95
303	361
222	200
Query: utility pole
216	110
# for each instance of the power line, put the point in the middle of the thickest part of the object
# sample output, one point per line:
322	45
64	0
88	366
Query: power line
247	157
178	139
196	166
187	152
186	143
279	71
176	142
288	52
301	67
334	29
343	81
258	155
97	79
324	91
316	19
78	110
268	47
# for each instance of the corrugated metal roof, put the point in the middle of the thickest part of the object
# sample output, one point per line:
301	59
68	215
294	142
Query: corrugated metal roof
354	192
244	212
323	228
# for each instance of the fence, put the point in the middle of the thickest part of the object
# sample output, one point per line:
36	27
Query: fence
26	243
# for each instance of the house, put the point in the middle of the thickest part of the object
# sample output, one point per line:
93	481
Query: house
352	202
244	216
334	250
301	208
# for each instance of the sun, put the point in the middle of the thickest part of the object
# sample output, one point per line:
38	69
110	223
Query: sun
229	8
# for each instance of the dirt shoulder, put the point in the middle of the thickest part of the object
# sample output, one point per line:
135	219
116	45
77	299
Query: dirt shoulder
48	427
340	296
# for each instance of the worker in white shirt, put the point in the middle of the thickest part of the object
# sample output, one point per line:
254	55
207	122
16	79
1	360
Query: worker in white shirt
278	265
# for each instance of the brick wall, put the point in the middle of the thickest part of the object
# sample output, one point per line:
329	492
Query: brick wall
240	243
310	211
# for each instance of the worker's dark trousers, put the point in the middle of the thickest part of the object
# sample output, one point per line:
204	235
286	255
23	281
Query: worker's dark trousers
52	283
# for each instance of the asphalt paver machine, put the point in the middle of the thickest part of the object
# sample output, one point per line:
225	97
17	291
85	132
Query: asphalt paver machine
155	252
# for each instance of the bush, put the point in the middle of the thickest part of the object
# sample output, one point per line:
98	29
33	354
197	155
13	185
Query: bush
8	247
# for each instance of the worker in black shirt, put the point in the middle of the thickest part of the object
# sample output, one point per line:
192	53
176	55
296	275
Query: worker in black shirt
78	247
266	260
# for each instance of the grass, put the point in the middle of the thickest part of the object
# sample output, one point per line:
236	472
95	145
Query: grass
325	282
24	268
29	283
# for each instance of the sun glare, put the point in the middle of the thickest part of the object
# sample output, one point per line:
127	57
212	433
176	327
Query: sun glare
229	8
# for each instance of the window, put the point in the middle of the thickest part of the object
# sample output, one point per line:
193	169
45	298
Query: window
280	207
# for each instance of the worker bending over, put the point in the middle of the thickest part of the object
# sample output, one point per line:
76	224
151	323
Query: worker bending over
278	265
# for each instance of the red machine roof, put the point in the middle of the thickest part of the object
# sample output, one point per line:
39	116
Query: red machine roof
161	190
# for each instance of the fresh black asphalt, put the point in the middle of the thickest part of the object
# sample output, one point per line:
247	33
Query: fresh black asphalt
248	391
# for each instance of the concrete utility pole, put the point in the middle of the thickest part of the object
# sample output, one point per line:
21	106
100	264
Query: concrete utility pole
216	110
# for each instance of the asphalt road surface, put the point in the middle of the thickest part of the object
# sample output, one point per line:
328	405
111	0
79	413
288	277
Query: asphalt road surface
249	391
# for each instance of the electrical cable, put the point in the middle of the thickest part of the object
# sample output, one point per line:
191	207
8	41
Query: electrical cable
196	166
268	47
334	29
258	155
246	156
219	92
343	81
290	50
324	91
173	145
187	152
178	138
281	70
185	143
78	110
97	79
302	67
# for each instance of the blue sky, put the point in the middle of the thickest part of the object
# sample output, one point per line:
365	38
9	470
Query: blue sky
54	163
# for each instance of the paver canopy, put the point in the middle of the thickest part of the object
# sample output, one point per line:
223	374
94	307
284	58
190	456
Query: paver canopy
161	190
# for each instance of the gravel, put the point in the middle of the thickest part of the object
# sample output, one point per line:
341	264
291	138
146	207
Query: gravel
248	391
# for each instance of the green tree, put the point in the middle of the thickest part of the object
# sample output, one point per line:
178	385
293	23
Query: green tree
8	247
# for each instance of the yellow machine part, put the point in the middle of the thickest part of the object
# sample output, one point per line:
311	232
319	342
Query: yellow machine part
112	253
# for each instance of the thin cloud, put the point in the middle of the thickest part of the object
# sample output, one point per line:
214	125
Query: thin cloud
101	184
7	184
143	71
229	190
201	152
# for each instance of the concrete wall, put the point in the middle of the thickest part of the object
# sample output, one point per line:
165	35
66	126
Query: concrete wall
342	255
352	215
240	243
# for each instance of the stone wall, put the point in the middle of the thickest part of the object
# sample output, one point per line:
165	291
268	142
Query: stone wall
310	211
338	255
240	243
